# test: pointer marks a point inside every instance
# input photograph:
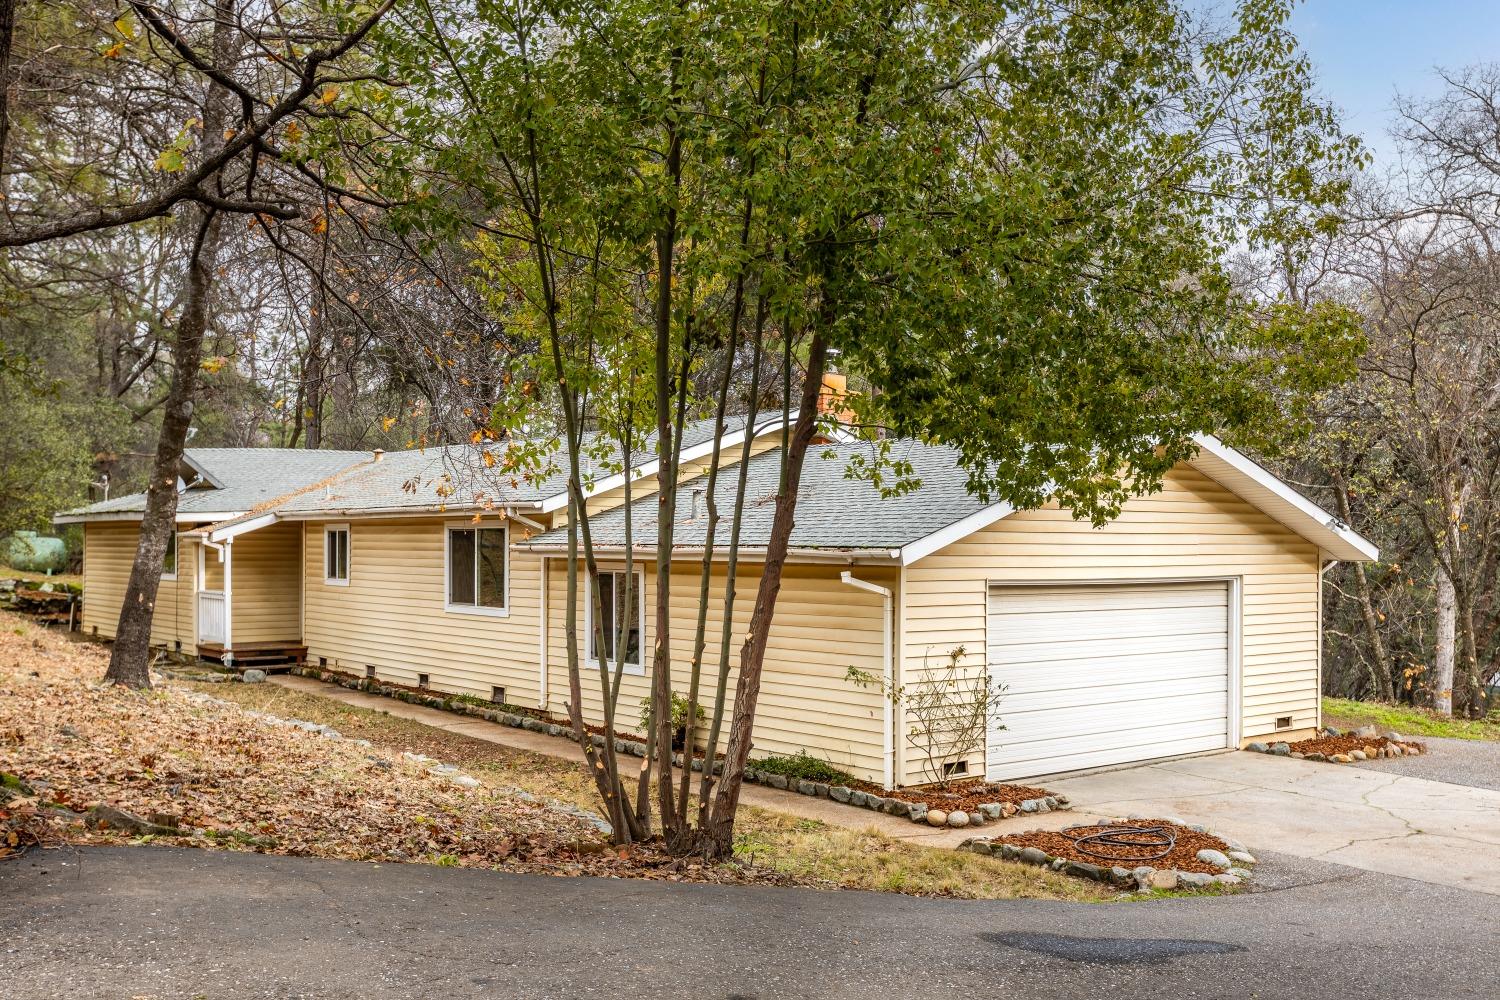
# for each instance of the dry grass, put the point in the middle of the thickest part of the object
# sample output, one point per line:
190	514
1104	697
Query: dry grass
805	850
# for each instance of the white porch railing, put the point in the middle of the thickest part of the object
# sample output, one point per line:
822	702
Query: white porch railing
211	616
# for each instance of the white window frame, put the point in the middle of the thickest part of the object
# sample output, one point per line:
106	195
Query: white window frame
176	560
333	581
473	609
637	669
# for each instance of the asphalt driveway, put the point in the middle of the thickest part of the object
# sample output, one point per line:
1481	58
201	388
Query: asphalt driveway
1439	832
177	923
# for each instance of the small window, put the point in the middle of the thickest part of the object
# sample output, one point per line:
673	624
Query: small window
336	554
169	559
477	572
617	620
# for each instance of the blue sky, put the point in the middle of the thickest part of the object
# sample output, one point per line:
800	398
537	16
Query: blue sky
1367	51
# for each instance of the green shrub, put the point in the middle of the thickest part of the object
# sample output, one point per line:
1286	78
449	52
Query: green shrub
805	766
679	713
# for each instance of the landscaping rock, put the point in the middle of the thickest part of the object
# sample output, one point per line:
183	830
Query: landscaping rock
1196	880
1366	732
896	807
1228	879
1142	875
839	793
1356	755
1010	852
1034	856
108	817
1240	873
1166	880
858	798
1281	749
1341	758
958	818
1082	869
253	676
981	847
807	787
1243	857
1316	756
1028	806
919	812
1007	810
1258	747
1395	737
990	810
1216	858
776	780
937	817
1395	750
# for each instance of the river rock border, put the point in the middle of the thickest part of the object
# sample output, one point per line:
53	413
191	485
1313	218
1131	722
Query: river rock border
1399	746
917	812
1232	864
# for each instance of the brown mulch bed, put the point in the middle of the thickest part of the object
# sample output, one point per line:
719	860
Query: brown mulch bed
966	795
1330	745
1183	856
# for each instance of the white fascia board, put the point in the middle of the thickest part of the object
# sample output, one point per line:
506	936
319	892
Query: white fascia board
426	510
958	530
191	517
232	531
841	557
1338	539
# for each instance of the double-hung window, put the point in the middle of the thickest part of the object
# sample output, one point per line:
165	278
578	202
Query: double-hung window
336	555
618	620
477	571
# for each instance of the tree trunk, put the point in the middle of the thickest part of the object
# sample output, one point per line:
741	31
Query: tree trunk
130	659
7	33
718	836
1384	682
1447	634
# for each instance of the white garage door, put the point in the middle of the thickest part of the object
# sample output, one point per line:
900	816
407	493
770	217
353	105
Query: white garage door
1100	675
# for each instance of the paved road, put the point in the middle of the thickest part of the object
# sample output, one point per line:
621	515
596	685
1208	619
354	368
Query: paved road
167	923
1475	763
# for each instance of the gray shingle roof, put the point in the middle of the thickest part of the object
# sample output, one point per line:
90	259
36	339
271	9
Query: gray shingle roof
833	512
251	476
416	480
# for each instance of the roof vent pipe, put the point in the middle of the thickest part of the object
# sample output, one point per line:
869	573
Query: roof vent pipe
379	454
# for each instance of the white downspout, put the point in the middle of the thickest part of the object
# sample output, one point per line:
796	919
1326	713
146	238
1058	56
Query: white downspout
888	724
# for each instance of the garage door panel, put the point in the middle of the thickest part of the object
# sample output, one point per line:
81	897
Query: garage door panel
1007	769
1061	660
1201	709
1125	693
1047	600
1107	674
1120	625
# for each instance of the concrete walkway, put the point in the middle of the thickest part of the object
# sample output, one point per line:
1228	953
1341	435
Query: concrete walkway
1432	831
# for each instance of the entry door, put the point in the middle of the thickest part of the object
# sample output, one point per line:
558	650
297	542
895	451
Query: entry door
1099	675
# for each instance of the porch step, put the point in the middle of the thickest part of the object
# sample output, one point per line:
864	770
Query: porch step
261	655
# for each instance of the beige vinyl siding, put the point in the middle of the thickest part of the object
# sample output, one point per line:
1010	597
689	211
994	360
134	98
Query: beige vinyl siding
266	578
822	627
1193	528
392	616
108	554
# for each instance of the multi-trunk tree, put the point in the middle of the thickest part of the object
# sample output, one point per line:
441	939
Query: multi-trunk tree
1010	218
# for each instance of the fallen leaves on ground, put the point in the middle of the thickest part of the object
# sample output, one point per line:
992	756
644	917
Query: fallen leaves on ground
219	776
